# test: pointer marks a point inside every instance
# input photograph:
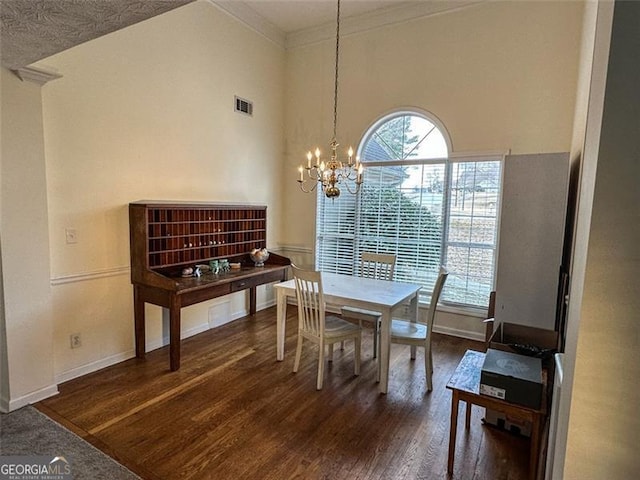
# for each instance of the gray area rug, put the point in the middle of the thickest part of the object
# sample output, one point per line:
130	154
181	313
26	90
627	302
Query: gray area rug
29	432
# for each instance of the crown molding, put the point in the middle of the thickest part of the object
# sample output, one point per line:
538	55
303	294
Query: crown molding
376	19
246	15
37	75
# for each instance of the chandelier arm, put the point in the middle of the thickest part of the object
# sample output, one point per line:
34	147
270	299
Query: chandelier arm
350	174
309	190
354	191
313	176
343	175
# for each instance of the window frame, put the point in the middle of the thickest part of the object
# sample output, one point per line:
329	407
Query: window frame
475	157
448	163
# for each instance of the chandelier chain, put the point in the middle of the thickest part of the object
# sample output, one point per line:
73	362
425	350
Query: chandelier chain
335	90
331	173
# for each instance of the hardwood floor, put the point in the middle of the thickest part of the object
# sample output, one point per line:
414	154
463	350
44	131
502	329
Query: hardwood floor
233	412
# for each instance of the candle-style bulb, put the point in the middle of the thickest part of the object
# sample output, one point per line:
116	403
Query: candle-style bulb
309	157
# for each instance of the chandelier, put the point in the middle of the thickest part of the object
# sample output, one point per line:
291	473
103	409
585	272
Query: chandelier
333	172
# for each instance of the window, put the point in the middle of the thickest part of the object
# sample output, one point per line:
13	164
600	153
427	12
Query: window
417	201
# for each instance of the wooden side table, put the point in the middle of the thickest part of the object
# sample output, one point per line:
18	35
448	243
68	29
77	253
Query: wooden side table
465	386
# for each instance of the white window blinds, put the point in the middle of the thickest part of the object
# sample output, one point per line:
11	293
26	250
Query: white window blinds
427	211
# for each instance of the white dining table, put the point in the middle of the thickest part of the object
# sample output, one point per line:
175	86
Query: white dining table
366	293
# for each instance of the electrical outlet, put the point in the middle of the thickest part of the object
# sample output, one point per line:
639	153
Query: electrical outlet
71	235
75	340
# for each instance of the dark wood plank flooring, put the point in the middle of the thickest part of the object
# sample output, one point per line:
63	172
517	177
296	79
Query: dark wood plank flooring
233	412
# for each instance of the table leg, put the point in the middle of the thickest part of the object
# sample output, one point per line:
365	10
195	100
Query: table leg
252	301
138	314
467	422
174	333
385	351
281	323
453	427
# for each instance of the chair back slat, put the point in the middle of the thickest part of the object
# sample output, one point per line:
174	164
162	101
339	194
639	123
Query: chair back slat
435	296
312	322
311	307
377	265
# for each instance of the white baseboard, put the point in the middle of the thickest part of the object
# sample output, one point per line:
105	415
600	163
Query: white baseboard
458	332
203	327
94	366
164	341
121	357
9	405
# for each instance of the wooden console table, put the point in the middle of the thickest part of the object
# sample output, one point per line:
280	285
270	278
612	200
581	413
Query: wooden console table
465	386
169	236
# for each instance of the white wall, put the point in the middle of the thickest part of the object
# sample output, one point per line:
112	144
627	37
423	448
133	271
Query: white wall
603	425
594	56
499	75
147	113
27	373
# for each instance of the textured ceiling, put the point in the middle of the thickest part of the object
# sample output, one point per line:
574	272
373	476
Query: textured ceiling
35	29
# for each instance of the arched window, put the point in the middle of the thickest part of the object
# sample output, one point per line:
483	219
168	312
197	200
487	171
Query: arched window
423	204
403	136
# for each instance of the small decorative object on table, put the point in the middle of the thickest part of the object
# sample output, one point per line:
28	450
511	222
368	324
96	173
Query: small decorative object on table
214	266
259	256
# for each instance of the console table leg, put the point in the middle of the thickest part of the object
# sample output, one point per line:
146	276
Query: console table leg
252	300
138	314
174	333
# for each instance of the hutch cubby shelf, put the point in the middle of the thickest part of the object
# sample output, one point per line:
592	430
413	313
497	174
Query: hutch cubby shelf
179	236
167	237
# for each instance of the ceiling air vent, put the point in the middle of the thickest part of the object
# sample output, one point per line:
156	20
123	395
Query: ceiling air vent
243	106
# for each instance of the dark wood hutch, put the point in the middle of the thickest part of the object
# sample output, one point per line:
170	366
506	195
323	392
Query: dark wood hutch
167	237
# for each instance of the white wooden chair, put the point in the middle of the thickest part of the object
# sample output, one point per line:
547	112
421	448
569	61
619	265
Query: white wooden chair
419	334
316	326
372	265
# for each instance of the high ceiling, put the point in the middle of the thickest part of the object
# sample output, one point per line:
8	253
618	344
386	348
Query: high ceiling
32	30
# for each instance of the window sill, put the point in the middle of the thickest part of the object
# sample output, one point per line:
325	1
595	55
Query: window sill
458	310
